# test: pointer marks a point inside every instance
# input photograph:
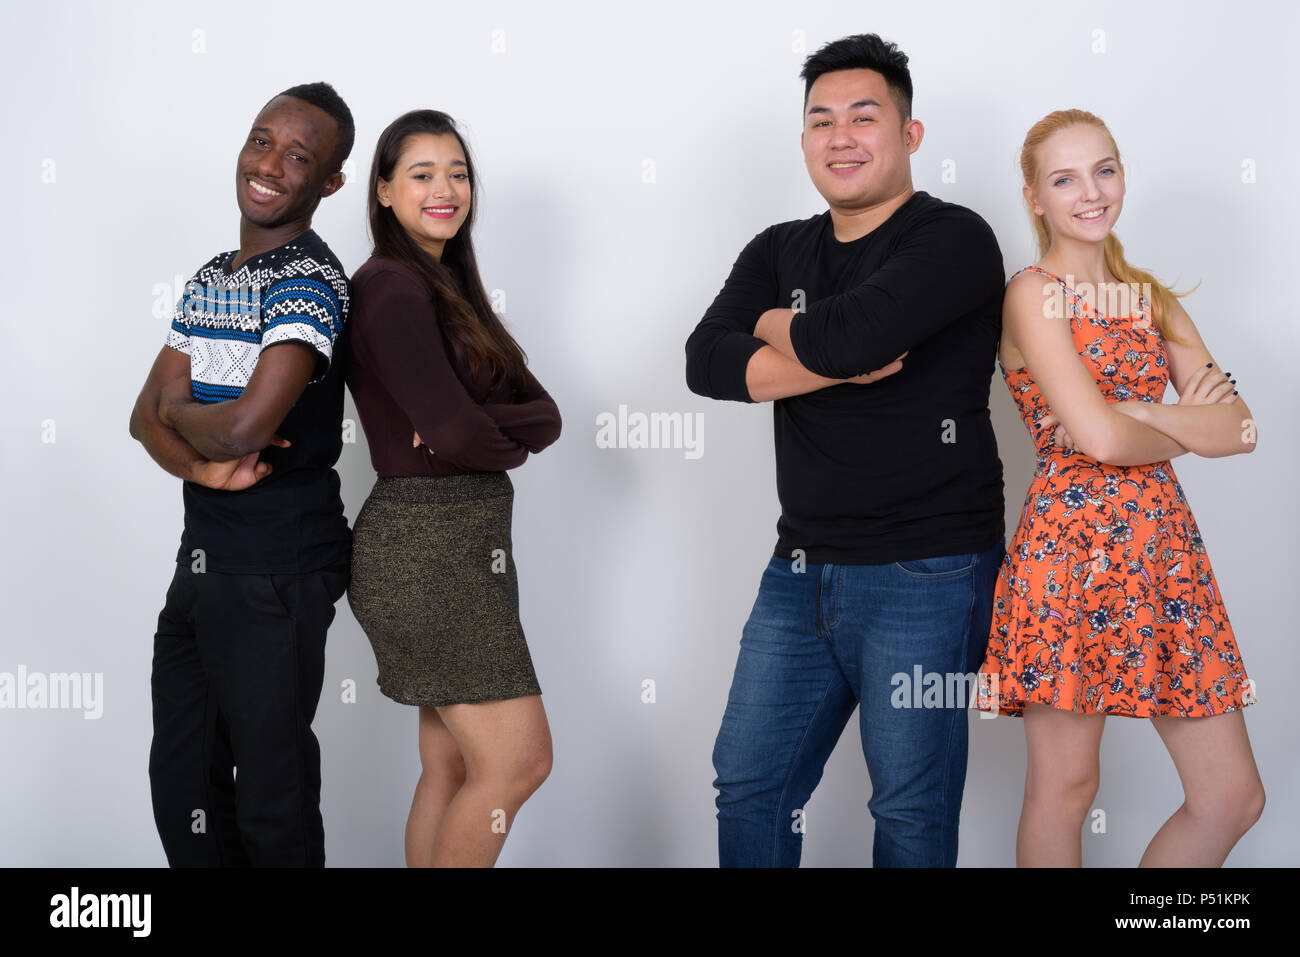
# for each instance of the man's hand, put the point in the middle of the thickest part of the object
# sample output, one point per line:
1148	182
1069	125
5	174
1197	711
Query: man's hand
233	476
416	441
880	373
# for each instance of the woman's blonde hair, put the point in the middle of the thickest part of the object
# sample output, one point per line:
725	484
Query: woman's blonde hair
1162	297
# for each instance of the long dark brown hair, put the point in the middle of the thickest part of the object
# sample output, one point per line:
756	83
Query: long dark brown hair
465	313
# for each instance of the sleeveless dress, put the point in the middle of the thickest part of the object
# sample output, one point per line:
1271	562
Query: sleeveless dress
1105	602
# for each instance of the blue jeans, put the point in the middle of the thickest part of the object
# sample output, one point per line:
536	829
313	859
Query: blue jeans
826	638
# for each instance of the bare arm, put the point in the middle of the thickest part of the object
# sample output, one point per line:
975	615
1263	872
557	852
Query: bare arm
772	375
248	424
1096	426
1222	426
171	370
1160	447
163	443
1212	431
773	327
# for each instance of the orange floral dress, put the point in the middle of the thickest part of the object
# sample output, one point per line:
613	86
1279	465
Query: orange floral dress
1105	602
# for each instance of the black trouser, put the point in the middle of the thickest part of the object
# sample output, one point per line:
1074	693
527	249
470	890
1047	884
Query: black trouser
237	670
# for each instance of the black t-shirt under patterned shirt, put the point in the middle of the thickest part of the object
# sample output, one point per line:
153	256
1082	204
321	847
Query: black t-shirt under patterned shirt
292	521
902	468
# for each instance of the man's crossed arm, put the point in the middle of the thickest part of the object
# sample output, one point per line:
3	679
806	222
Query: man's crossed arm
217	444
741	349
774	372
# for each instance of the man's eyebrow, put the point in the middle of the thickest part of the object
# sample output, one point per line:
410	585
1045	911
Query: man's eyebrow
455	162
1108	159
298	143
852	106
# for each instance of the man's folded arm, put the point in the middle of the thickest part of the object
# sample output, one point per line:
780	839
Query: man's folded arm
941	270
227	430
718	351
164	444
773	375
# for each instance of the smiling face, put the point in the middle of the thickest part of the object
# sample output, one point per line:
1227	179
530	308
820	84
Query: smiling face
429	192
855	142
1079	189
286	165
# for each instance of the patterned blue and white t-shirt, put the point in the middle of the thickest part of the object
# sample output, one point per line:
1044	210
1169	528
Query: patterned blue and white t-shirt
292	521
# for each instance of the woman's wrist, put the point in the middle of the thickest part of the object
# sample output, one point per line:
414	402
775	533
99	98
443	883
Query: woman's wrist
1135	409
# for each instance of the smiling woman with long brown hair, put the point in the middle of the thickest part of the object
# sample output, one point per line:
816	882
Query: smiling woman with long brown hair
448	405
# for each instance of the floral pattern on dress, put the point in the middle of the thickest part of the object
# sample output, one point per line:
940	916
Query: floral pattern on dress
1105	602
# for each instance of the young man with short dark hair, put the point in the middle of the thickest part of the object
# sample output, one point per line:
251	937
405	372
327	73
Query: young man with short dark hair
873	327
245	404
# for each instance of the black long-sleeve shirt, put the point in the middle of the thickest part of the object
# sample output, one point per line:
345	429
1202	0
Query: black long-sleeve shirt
902	468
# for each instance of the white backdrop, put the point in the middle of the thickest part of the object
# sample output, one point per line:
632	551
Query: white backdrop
626	156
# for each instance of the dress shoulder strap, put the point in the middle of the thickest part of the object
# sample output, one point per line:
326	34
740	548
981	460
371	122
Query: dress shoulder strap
1144	310
1039	269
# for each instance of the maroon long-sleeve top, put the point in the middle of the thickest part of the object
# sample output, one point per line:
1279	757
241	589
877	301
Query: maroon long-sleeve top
405	378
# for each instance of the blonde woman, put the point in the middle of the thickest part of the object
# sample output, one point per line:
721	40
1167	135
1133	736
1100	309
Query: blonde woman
1106	603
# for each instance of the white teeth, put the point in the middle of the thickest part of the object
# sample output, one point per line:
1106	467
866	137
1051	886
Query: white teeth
1092	215
262	189
441	209
843	165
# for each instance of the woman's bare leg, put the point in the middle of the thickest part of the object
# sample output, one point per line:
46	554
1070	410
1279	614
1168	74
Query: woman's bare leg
1222	793
1063	771
442	772
507	750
